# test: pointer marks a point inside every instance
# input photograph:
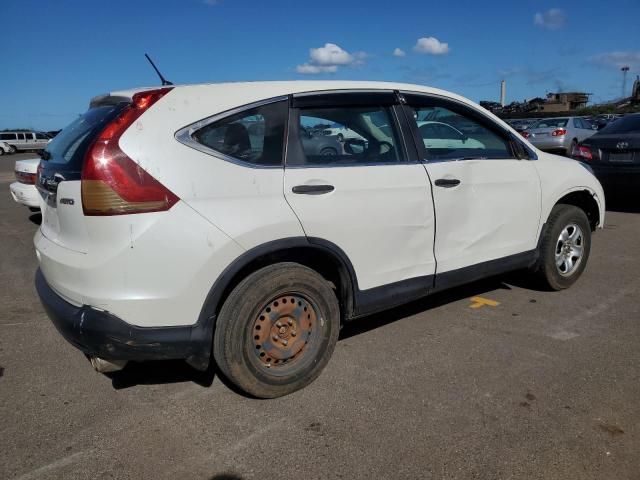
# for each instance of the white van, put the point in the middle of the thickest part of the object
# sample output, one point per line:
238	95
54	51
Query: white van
25	141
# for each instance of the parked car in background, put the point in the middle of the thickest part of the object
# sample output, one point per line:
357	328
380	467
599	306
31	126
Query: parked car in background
227	252
318	144
614	155
558	135
5	148
23	190
439	135
341	133
25	141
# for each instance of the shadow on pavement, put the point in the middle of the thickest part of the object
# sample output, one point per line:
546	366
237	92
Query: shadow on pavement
160	372
177	371
226	476
36	218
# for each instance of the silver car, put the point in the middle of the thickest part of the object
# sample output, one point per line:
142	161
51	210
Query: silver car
559	135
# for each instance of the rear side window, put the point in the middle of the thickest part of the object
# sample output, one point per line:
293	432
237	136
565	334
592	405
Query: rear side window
70	145
348	135
7	136
253	136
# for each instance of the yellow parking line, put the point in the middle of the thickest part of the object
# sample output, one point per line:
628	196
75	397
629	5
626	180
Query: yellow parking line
478	302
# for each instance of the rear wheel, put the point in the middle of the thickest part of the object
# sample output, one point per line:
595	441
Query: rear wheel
565	247
1	152
277	330
12	149
328	151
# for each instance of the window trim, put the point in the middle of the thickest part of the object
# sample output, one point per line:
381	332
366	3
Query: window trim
484	120
185	134
331	99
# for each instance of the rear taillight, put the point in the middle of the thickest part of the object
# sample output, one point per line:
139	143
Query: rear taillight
27	178
558	132
525	134
582	152
112	183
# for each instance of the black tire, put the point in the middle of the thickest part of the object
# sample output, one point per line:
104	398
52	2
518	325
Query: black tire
574	142
328	151
12	149
1	152
247	332
562	217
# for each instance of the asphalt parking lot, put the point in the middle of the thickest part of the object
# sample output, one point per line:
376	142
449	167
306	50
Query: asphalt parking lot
540	385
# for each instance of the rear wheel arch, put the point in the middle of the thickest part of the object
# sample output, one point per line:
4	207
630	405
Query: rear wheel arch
321	256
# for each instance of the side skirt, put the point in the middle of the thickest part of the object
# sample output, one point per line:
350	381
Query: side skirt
381	298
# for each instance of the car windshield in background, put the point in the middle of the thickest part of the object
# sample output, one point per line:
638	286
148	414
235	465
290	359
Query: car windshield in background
630	124
550	123
69	145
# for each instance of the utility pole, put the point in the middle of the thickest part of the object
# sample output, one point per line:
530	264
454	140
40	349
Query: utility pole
624	70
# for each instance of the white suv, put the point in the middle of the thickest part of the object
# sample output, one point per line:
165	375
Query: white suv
190	220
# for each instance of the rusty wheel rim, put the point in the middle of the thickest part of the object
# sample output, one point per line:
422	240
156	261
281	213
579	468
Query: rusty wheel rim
283	330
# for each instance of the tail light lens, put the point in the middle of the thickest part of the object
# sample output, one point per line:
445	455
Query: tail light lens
27	178
112	183
525	134
559	132
582	152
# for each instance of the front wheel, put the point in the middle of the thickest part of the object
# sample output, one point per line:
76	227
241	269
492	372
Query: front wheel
565	247
277	330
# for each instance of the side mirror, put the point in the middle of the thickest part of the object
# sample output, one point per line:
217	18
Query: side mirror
354	146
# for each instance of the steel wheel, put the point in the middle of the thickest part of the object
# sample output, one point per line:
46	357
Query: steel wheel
283	332
569	249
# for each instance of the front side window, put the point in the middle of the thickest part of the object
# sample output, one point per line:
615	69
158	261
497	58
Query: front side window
348	135
450	135
253	136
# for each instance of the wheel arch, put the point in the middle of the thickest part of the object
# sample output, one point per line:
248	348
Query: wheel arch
320	255
585	201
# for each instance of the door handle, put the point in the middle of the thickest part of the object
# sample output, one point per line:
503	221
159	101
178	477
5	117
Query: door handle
447	182
313	189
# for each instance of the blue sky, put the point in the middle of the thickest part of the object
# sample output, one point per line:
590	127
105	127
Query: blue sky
57	55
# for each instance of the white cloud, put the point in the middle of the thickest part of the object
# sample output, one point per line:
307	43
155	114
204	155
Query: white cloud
398	52
553	19
431	46
327	59
617	59
309	69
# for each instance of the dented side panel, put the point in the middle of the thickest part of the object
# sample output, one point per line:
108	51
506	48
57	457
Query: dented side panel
494	211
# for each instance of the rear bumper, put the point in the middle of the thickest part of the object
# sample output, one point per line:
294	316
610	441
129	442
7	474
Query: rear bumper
101	334
25	194
551	144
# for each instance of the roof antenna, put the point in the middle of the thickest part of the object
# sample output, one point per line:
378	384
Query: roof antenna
162	79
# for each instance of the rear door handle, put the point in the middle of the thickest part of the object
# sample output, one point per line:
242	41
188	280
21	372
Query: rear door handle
313	189
447	182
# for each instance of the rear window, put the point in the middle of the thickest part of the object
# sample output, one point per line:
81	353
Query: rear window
70	145
550	123
630	124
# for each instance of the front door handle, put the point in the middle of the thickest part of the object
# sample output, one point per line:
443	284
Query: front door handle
313	189
447	182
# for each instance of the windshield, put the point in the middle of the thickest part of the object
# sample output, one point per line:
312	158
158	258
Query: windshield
630	124
69	145
550	123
